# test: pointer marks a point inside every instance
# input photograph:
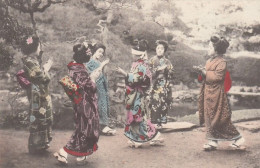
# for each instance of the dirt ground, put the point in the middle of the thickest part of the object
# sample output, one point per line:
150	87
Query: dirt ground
181	149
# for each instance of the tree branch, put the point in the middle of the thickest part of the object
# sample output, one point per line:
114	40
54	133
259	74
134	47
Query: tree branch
114	5
32	7
77	39
58	1
100	26
44	7
49	3
36	4
17	6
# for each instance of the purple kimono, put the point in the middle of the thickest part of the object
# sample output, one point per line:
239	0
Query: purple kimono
84	140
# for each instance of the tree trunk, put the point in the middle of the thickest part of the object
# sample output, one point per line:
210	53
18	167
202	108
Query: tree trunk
35	32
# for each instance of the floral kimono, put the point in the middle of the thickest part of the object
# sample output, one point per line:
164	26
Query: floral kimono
41	116
102	93
161	94
138	127
84	140
214	108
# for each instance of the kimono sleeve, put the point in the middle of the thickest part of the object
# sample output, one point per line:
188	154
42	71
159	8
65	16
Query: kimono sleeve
83	80
35	73
170	71
138	77
218	74
153	67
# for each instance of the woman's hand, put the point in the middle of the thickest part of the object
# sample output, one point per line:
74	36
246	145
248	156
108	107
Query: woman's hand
200	69
121	71
97	72
104	63
161	68
94	75
203	72
47	65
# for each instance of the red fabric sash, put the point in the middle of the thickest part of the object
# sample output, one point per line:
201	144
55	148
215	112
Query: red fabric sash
23	79
227	82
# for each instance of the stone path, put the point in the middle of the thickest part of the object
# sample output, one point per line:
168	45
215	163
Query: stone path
252	126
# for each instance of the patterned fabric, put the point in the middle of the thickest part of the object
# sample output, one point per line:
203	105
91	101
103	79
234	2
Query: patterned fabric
138	127
22	79
214	108
102	93
71	89
161	94
41	115
84	140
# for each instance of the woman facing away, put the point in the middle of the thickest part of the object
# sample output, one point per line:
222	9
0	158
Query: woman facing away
40	113
139	128
83	141
214	108
161	94
102	89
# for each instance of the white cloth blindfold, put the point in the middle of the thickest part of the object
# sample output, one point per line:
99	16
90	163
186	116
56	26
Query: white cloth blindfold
143	54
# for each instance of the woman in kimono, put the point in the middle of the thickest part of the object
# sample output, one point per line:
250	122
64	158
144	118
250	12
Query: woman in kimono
161	93
214	108
139	128
102	89
83	141
40	113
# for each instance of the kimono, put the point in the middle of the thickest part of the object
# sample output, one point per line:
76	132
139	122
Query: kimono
40	114
84	139
161	93
138	127
102	93
214	108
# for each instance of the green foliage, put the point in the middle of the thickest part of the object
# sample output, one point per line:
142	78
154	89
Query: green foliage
183	59
17	121
10	30
149	31
118	53
165	7
247	73
121	21
61	54
167	15
6	57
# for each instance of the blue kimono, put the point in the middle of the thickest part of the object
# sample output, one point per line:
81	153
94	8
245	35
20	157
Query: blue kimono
138	126
102	93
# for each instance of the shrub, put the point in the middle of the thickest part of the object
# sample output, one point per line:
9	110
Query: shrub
6	57
150	31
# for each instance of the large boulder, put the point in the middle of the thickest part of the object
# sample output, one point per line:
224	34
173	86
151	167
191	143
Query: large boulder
149	31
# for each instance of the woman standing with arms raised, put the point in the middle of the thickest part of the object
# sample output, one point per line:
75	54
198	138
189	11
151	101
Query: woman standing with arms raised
139	128
83	141
102	89
35	81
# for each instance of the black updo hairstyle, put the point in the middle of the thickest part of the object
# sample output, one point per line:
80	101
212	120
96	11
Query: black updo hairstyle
99	45
140	45
82	53
220	44
164	43
29	44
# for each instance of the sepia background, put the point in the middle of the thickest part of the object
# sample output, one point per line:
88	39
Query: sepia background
186	25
